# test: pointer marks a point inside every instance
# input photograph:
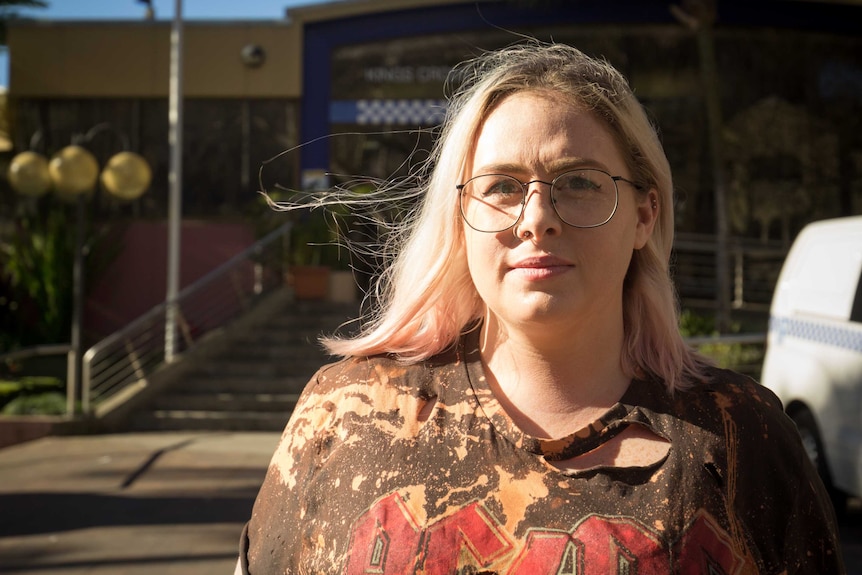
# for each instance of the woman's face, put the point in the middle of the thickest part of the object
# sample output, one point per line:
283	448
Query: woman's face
544	273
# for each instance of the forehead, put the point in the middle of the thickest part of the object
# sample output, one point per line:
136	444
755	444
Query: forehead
541	131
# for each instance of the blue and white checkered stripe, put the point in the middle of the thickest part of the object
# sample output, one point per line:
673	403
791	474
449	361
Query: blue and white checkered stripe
827	334
388	112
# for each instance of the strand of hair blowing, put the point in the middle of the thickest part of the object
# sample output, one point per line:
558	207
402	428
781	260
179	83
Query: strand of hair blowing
427	297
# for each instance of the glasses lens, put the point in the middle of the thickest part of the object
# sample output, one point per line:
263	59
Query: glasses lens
492	202
585	198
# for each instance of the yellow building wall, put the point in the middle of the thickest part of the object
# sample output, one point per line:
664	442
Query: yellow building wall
118	59
126	59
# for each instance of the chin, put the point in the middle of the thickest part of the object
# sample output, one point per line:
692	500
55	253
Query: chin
543	307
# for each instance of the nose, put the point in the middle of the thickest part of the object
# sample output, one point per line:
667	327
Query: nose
539	218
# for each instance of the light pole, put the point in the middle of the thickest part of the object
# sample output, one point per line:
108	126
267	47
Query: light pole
175	180
73	173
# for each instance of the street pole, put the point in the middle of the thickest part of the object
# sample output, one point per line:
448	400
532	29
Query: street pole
73	367
175	127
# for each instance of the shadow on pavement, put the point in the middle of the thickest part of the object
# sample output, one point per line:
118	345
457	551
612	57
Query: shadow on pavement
35	513
24	563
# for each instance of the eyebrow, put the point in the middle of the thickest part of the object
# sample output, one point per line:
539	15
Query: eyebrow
556	167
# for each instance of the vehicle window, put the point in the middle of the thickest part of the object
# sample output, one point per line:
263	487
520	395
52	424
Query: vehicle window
824	278
856	311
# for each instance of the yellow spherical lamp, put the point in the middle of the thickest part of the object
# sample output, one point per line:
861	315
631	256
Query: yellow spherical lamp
73	171
127	176
28	174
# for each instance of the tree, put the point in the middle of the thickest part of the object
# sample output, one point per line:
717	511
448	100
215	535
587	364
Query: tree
8	11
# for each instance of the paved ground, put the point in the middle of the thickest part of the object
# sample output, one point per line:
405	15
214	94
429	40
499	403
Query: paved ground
166	503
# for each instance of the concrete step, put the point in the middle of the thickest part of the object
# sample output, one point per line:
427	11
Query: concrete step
243	384
199	420
254	384
314	322
272	341
255	367
268	349
227	402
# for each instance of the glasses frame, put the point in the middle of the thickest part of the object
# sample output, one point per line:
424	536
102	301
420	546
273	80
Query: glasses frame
525	189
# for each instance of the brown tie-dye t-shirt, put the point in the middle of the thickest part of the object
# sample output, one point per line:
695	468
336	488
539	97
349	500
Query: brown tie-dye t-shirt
388	469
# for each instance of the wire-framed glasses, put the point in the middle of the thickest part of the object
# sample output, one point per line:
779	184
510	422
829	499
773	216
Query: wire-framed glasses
586	198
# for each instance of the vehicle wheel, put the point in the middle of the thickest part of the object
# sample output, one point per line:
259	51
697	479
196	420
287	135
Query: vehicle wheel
813	445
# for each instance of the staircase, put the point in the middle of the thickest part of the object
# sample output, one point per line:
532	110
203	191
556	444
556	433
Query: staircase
255	383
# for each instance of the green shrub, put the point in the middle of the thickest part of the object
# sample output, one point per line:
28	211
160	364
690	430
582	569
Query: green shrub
743	357
51	403
692	324
738	356
30	386
9	388
41	383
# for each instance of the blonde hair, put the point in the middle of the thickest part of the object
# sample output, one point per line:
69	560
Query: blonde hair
426	296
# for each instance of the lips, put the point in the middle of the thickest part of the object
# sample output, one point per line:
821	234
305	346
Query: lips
542	267
544	261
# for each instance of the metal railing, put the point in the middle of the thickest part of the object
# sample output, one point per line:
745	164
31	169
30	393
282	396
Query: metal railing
119	365
754	269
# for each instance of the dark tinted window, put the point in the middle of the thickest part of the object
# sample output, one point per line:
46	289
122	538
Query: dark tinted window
856	312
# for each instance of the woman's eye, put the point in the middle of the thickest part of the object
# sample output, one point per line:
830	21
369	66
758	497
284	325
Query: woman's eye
577	183
502	188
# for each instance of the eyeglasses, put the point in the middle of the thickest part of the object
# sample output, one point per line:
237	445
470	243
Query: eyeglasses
581	198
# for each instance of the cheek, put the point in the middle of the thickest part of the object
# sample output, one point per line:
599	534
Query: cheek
606	248
619	252
474	250
484	252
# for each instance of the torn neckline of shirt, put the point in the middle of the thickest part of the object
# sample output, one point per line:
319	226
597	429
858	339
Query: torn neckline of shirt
612	422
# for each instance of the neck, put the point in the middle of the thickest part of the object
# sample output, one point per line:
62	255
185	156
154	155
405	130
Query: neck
555	383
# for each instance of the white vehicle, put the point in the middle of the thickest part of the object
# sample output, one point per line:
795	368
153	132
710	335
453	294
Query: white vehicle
814	351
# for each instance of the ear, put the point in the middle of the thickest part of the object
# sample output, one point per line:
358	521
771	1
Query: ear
647	213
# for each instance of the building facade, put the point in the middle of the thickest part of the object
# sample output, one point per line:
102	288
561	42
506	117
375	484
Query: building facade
356	89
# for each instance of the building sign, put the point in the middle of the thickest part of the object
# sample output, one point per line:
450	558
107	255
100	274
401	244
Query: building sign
406	74
404	69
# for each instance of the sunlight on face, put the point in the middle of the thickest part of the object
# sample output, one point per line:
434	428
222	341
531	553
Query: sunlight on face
543	272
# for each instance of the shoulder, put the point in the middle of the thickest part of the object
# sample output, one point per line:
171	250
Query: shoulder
371	375
739	413
749	417
735	395
361	386
375	370
343	400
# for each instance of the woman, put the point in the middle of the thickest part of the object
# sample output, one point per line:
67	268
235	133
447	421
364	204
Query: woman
523	402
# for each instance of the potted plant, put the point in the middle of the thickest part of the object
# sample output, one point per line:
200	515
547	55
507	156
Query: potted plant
310	242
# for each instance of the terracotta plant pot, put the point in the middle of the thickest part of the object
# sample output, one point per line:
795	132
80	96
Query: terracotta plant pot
309	282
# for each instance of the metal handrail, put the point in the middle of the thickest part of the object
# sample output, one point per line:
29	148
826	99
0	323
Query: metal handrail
36	351
754	269
120	363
